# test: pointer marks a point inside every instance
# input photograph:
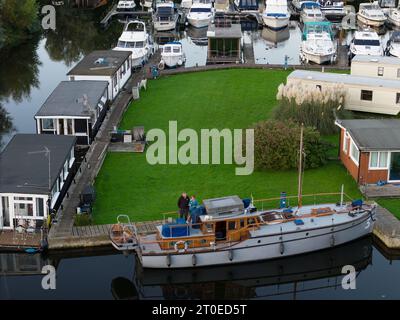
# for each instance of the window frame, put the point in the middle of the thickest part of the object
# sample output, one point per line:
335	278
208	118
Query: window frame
364	92
352	147
378	166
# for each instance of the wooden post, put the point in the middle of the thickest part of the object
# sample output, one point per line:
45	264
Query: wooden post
300	167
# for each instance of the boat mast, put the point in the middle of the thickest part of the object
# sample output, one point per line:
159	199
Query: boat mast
299	200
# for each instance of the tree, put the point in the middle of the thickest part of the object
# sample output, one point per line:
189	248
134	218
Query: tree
19	20
276	146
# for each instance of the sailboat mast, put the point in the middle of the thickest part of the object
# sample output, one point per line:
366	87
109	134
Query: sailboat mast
300	168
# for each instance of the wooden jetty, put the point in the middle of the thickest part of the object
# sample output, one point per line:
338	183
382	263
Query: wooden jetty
385	191
13	241
132	14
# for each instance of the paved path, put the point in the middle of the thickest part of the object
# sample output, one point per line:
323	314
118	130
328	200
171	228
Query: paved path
387	228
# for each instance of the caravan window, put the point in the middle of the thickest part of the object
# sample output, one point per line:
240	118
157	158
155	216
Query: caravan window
366	95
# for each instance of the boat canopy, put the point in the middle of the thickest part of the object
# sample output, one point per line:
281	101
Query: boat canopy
317	27
310	5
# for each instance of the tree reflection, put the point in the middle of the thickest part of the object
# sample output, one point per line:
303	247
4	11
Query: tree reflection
78	33
19	70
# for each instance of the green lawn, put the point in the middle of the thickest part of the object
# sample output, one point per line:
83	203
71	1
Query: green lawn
127	184
393	205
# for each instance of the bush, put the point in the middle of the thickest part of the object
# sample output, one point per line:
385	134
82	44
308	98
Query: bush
310	105
277	143
83	219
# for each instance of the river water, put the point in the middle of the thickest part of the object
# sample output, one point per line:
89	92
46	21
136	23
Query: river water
30	72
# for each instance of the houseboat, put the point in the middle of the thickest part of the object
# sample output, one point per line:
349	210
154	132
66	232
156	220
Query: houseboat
276	14
75	108
311	12
318	43
393	45
371	14
126	5
172	55
135	39
165	16
200	14
366	42
104	65
230	230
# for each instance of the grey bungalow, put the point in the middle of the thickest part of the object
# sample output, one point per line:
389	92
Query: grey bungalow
28	193
74	108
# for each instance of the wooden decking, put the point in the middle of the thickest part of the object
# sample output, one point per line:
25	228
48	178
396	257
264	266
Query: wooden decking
385	191
15	241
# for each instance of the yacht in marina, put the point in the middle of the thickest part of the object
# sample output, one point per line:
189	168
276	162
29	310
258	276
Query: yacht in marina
165	16
172	55
332	8
317	44
276	14
366	42
371	14
200	14
135	38
393	17
311	12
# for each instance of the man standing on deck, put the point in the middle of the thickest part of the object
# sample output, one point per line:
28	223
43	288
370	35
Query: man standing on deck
183	205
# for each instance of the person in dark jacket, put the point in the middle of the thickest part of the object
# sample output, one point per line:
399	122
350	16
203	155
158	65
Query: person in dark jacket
183	205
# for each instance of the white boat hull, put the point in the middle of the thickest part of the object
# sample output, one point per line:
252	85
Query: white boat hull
318	58
164	26
172	61
394	51
265	247
276	23
393	21
199	23
370	22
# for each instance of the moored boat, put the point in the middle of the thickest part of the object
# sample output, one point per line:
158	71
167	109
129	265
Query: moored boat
311	12
366	42
317	43
200	14
394	17
393	45
371	14
165	17
276	15
172	55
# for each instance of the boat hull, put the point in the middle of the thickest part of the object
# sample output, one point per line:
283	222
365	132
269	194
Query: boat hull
199	23
370	22
393	21
164	26
172	61
266	247
275	23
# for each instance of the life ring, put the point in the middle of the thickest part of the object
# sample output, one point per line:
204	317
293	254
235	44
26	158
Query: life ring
184	249
180	62
161	65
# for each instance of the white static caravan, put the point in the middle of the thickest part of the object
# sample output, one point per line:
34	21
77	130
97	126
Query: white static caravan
105	65
381	67
74	108
366	94
28	193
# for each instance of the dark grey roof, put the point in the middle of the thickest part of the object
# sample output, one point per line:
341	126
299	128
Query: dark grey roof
374	134
67	98
100	63
230	31
21	172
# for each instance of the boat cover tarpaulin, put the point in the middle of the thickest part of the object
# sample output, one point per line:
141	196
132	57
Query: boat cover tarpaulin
175	230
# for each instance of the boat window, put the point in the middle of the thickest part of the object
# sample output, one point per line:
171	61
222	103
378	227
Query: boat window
135	27
167	49
200	10
139	44
121	44
176	50
231	225
366	42
242	223
164	11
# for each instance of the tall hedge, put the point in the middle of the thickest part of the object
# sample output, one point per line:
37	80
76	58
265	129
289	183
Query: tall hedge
277	144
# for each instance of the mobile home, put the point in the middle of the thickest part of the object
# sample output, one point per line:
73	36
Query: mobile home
380	67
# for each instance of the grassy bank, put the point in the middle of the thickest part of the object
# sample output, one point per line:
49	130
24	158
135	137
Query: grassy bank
127	184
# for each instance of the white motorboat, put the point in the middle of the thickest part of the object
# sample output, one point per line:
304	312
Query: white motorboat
126	5
186	4
148	4
298	4
311	12
221	5
200	14
393	17
276	14
317	44
366	42
387	5
165	16
229	230
135	38
393	45
371	14
172	55
333	8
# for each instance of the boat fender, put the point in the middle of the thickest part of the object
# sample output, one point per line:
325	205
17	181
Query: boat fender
281	248
161	65
184	249
180	62
194	260
332	240
168	260
230	255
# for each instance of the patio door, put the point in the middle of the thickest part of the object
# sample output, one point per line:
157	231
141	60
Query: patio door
394	173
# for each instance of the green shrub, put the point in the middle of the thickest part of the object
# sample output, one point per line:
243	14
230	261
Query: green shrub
277	143
83	219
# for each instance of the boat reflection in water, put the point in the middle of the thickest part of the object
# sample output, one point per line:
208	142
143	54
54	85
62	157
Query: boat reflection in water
275	36
273	278
197	35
